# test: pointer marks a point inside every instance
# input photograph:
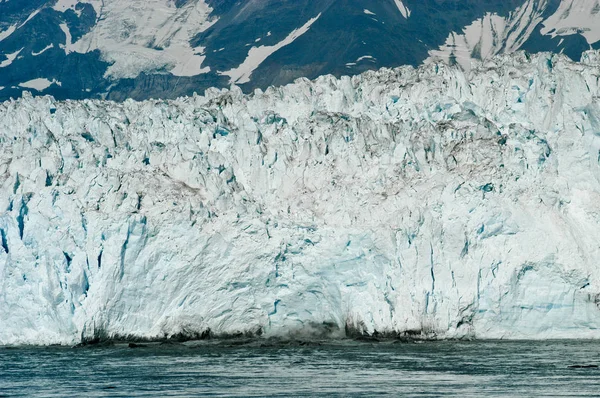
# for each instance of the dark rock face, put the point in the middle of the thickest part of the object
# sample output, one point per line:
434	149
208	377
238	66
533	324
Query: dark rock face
38	39
349	37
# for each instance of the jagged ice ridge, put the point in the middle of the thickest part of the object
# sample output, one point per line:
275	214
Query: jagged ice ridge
406	201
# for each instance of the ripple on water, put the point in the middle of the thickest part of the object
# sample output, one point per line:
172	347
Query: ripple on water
250	368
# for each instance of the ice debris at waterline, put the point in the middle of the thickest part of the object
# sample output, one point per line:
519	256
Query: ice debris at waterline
398	201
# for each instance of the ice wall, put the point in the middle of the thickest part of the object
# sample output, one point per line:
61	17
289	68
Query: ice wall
416	201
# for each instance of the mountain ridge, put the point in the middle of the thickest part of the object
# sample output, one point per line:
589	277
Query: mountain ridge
119	49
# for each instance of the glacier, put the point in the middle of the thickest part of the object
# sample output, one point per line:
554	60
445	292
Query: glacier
429	202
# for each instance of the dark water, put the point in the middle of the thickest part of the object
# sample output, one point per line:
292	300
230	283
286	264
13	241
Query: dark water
333	369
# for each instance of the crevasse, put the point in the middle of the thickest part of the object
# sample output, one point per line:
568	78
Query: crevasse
406	201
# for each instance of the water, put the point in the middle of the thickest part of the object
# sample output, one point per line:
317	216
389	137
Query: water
345	368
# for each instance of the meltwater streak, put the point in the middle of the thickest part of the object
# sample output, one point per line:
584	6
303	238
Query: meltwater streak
338	369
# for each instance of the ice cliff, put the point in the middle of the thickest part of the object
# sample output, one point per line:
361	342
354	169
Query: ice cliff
407	201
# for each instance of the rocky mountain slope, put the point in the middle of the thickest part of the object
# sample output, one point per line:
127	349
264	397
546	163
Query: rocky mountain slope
119	49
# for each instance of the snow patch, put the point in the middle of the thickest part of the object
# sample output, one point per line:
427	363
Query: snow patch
64	5
364	57
491	35
29	18
4	34
189	59
403	9
257	55
11	29
48	47
146	36
575	17
68	46
97	5
368	12
39	84
10	58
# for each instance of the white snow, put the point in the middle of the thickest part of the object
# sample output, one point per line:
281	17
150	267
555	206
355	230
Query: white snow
403	200
68	46
29	18
10	59
257	55
1	88
64	5
13	28
403	9
493	34
368	12
4	34
146	36
48	47
98	5
364	57
190	66
575	17
39	84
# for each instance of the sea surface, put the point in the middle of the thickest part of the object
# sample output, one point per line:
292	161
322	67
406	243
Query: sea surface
342	368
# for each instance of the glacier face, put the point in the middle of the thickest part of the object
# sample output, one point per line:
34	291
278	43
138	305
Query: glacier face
399	201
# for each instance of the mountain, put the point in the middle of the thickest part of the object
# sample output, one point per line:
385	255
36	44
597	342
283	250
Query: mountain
428	202
118	49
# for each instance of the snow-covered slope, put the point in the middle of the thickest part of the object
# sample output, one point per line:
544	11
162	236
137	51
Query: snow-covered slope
138	36
575	17
494	34
398	201
491	35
